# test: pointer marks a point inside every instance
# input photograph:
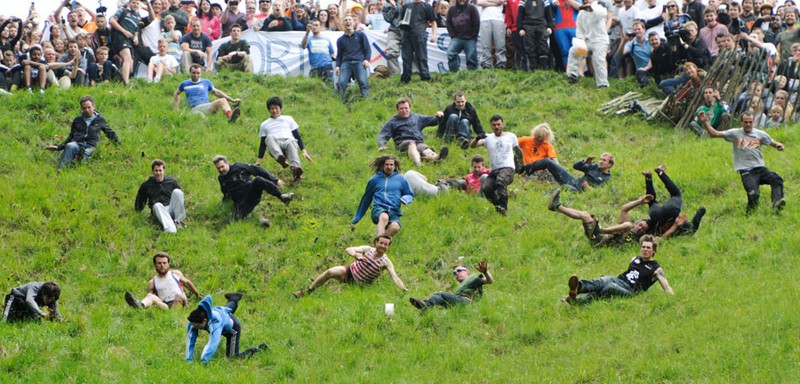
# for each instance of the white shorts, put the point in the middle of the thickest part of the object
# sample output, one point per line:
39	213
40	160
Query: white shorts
202	109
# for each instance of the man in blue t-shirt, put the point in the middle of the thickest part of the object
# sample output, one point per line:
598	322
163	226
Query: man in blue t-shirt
639	49
320	52
197	90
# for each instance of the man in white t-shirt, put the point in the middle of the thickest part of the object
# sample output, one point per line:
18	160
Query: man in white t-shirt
749	161
165	289
500	146
280	135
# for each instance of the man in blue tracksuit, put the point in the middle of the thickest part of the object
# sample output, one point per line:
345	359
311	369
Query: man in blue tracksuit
386	191
217	321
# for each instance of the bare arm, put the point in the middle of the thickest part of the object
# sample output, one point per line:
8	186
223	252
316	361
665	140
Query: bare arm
675	225
176	99
703	119
393	274
476	143
151	287
623	215
662	279
209	54
483	267
777	145
218	93
357	252
186	282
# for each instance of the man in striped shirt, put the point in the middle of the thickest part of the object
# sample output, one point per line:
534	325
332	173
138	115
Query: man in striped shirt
366	269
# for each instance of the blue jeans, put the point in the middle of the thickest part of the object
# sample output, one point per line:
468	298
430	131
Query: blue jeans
445	299
455	126
670	85
470	48
71	150
604	287
350	69
560	174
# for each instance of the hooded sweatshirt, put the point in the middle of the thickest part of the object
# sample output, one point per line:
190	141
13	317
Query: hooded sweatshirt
219	323
385	192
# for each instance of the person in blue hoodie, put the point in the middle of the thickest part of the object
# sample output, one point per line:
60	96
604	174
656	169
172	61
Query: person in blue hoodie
217	321
386	191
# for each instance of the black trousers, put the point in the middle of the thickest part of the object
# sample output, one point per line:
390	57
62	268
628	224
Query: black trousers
753	178
663	213
252	197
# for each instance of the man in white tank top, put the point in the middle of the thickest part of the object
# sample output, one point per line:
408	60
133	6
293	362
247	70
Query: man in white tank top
165	289
370	262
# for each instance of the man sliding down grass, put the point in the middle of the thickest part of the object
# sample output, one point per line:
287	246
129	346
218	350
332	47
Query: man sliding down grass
470	287
365	270
665	219
166	288
642	272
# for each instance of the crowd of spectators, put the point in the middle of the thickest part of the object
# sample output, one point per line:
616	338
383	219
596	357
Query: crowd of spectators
674	44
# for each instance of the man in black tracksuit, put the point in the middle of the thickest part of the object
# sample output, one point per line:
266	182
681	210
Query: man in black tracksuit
236	184
536	19
84	134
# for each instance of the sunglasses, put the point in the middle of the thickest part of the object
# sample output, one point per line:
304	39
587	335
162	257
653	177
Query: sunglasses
672	6
459	270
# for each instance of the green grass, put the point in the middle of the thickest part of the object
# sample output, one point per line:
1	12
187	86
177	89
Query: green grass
733	318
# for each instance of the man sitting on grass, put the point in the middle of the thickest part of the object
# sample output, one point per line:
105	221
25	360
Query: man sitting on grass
469	287
280	134
197	90
165	289
84	134
593	174
642	272
405	128
365	270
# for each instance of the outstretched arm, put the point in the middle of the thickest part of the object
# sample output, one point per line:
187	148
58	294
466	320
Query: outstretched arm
623	215
662	279
703	119
393	274
483	267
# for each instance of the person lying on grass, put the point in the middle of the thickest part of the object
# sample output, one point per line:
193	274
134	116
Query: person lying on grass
643	271
366	269
469	287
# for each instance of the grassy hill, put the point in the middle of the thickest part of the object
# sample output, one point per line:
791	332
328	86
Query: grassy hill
733	318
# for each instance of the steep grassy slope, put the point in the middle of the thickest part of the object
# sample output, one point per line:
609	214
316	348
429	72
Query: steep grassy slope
733	318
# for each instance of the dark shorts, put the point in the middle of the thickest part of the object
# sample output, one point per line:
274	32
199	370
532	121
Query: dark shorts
121	43
403	146
376	213
348	276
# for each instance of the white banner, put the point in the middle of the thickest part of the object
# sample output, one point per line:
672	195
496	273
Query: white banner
279	53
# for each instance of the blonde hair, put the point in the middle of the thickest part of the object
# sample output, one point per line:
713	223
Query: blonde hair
543	133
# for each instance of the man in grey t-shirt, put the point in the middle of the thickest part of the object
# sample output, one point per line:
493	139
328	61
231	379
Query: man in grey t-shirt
749	161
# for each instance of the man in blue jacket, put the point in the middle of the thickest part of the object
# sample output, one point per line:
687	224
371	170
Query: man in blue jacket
217	321
84	134
386	191
405	128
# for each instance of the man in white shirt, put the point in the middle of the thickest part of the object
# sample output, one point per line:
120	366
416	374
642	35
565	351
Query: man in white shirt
280	134
500	146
